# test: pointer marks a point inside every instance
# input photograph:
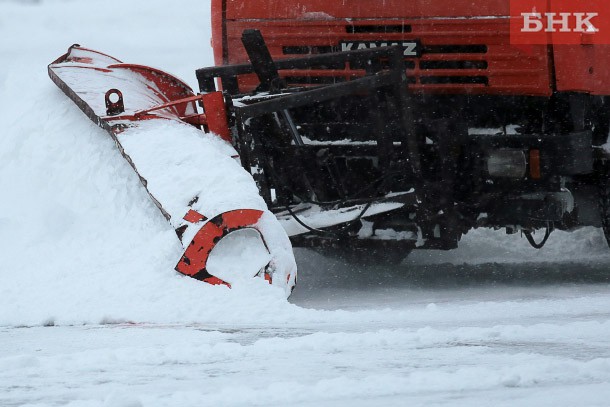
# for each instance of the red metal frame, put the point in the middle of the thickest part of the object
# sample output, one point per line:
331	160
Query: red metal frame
180	101
194	260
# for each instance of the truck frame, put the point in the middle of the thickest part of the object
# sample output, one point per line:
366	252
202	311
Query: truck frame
471	131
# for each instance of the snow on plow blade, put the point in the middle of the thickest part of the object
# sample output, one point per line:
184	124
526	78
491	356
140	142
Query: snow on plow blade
193	177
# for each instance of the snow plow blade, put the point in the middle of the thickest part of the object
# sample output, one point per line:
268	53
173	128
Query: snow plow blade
193	178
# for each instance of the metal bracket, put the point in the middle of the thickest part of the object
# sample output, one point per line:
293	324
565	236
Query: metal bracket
116	107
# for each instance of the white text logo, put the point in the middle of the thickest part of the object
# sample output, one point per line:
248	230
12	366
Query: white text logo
559	22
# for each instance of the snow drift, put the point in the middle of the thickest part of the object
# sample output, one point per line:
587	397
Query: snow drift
81	242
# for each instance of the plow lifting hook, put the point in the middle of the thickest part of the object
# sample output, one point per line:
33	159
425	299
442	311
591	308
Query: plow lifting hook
114	102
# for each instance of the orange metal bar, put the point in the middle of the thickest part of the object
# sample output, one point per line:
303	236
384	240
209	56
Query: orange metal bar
535	164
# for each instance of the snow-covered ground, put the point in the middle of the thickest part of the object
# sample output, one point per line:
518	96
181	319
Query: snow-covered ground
92	313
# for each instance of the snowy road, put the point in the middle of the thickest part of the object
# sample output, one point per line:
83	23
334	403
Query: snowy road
92	313
455	335
333	285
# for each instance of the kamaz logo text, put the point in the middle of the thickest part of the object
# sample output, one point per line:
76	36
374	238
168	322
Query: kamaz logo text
410	48
559	22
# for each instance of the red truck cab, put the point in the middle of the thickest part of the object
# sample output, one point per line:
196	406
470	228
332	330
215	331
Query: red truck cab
465	45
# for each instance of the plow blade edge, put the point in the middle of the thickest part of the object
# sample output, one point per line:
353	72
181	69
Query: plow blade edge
193	177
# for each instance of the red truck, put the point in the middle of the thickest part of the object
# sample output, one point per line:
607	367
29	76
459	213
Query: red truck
489	134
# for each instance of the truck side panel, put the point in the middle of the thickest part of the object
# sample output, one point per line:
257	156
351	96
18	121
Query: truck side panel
458	55
355	9
582	68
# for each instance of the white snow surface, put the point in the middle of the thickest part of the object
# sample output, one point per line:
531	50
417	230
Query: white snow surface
180	163
92	313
